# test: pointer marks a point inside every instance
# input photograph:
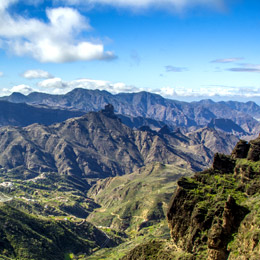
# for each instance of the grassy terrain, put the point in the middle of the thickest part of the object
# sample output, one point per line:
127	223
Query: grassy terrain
127	211
219	212
135	203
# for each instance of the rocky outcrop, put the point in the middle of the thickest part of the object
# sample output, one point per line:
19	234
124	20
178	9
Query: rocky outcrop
254	150
220	235
210	212
241	150
223	163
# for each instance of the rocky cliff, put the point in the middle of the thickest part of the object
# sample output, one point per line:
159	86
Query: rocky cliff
215	214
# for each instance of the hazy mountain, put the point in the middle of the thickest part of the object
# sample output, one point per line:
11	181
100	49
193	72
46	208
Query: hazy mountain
148	105
226	125
250	108
24	115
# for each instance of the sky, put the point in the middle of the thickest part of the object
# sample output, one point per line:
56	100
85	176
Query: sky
180	49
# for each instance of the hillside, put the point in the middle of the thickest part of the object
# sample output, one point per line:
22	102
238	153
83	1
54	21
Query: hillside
135	203
24	236
96	145
215	214
148	105
123	199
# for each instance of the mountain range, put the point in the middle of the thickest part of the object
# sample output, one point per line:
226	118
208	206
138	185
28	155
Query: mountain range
99	145
148	105
89	175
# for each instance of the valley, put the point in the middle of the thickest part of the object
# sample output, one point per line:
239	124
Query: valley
98	185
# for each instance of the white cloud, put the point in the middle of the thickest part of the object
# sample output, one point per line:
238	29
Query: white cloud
141	4
36	74
58	86
55	41
226	60
24	89
1	74
210	91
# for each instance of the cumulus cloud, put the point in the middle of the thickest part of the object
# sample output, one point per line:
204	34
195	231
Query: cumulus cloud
54	41
24	89
227	60
36	74
59	86
210	91
141	4
170	68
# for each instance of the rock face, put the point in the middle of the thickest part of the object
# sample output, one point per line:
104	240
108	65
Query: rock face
223	163
209	213
241	149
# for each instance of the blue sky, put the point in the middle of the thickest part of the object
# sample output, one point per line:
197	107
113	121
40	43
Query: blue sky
181	49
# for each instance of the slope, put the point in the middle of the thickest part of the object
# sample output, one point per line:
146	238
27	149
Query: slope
93	146
136	204
215	215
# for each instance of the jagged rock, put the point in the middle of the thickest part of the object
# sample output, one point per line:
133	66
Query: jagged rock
241	150
254	150
223	163
202	221
109	111
217	243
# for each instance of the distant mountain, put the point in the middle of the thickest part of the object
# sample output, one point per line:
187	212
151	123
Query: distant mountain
214	140
250	108
24	115
148	105
96	145
226	125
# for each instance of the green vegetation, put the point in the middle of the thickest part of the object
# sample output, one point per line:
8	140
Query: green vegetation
216	213
132	214
136	203
137	200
